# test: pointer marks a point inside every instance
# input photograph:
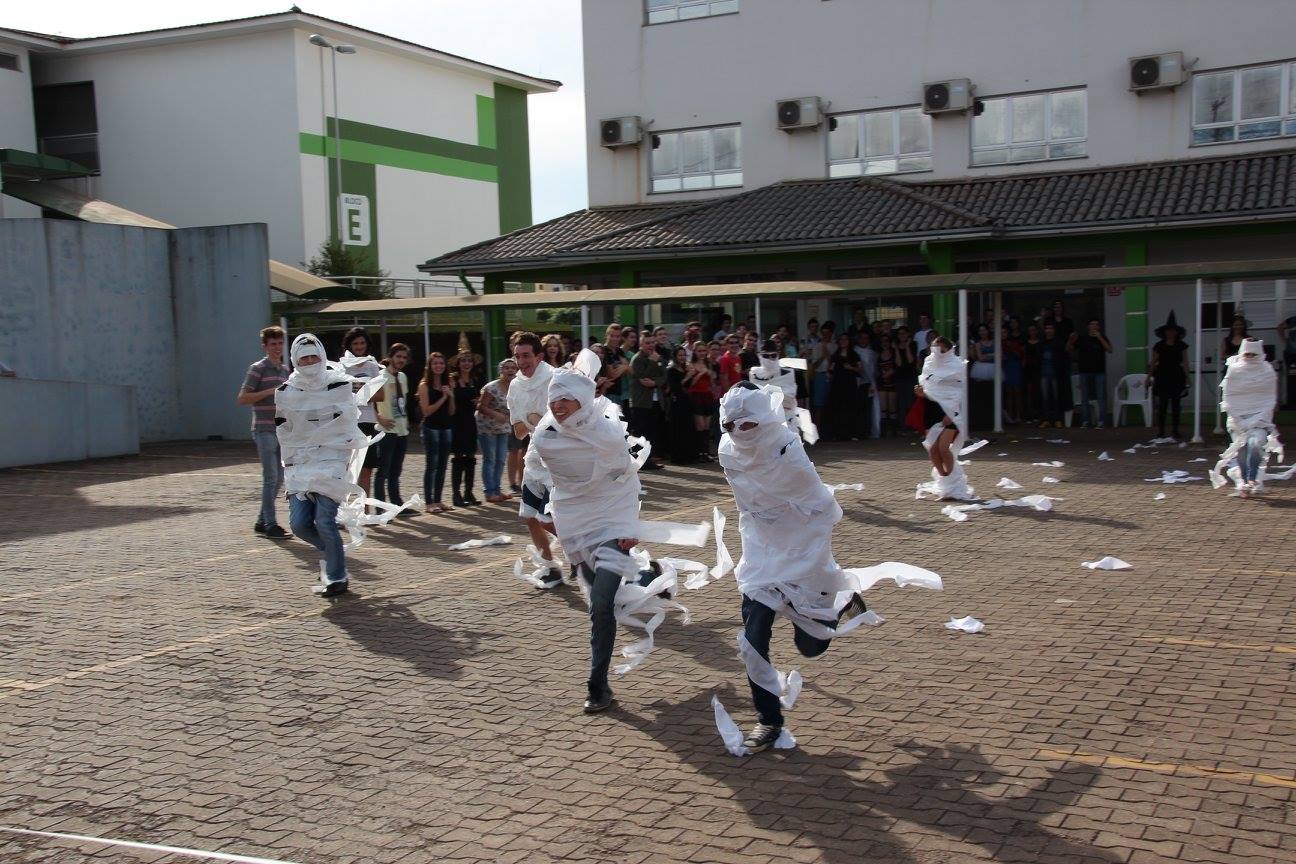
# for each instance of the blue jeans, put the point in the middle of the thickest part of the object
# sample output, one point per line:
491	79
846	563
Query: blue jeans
1093	386
603	589
436	444
1252	454
1049	398
314	519
758	624
494	450
391	458
820	390
267	444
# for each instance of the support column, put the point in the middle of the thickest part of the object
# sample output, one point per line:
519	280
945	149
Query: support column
584	327
1197	360
382	335
940	260
998	379
963	346
759	329
627	313
496	338
427	338
1136	312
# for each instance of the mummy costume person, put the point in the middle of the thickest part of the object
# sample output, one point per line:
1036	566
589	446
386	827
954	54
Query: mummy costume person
785	518
527	403
1249	396
942	385
780	373
316	411
582	446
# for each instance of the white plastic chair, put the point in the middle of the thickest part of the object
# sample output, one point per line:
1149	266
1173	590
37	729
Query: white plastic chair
1136	393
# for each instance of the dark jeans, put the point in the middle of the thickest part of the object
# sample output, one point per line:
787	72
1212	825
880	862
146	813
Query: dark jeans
603	589
1173	403
436	444
1050	398
391	458
646	423
758	623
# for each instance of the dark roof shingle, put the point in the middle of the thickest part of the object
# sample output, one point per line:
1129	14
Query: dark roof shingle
869	210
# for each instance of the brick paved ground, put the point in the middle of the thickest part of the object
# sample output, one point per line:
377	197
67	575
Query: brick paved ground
166	677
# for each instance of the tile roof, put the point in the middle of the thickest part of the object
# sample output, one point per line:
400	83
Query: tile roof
879	210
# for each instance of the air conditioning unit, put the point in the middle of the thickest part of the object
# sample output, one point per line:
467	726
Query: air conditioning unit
952	95
1156	71
803	113
620	132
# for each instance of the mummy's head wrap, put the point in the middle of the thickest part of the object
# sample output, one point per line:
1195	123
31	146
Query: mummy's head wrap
1251	346
747	403
570	384
308	345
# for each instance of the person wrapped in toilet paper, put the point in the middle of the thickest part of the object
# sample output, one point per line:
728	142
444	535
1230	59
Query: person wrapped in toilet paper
316	412
1249	395
773	371
527	405
941	384
786	517
582	446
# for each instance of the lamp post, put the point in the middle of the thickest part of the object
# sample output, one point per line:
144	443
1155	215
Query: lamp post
335	50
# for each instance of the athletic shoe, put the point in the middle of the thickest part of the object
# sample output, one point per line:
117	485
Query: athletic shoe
517	490
856	605
471	500
595	704
275	532
333	589
554	580
259	527
572	575
762	737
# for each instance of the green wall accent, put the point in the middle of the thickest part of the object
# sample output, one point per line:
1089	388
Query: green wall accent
1136	311
940	259
395	157
486	122
627	313
513	158
358	178
496	339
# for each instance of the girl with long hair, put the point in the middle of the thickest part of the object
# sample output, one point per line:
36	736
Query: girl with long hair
552	352
463	425
436	399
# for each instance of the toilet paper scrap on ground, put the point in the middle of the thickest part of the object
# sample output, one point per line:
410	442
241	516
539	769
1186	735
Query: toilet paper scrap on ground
1053	464
1107	562
1005	483
1105	457
501	540
958	512
1171	477
1048	479
967	624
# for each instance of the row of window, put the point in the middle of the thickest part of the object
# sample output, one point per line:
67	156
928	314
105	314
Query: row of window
1243	104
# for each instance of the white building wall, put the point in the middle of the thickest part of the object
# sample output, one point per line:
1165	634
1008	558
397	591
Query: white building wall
17	124
863	54
198	133
419	214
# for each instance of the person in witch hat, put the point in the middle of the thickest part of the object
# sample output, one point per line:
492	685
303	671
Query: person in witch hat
1168	373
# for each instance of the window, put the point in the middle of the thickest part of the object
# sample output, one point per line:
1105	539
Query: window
661	11
893	141
10	62
1244	104
1030	128
697	159
66	124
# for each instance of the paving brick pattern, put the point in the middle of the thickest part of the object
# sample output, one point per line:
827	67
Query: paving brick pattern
167	677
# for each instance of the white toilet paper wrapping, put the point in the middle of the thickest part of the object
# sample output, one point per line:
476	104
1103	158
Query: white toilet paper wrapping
1249	394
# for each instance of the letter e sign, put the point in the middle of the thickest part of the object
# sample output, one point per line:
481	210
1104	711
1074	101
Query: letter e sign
355	219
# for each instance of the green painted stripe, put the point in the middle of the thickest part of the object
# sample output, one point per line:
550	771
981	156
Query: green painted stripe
397	140
514	158
486	122
392	157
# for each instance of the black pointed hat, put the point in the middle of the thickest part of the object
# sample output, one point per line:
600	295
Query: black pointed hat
1170	324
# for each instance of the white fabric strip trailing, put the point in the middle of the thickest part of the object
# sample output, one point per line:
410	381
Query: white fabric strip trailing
152	847
786	686
1040	503
640	607
542	567
674	533
732	736
499	540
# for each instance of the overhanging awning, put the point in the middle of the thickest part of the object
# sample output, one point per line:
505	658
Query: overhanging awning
1021	280
282	277
20	165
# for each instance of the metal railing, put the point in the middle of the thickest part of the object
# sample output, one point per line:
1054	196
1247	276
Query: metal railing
408	288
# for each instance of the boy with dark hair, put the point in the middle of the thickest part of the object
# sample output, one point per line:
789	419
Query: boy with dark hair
527	405
259	385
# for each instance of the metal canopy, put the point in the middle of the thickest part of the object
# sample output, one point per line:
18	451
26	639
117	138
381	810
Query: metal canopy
1022	280
22	165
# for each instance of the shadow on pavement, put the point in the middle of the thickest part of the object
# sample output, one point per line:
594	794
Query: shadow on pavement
823	798
393	630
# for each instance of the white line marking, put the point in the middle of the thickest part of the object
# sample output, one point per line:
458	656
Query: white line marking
193	853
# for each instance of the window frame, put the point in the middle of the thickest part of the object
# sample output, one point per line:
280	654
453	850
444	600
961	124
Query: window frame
709	5
1285	118
863	160
681	174
17	62
1047	142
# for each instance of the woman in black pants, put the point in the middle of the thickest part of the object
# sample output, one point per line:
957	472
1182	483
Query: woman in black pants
1169	373
463	425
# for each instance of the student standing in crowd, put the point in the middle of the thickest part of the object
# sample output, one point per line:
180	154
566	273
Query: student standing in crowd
906	374
692	338
820	359
647	381
436	400
615	366
843	392
886	383
463	429
923	335
700	383
1237	335
1169	374
870	406
1092	349
553	350
395	424
493	429
259	385
1012	375
749	357
1032	348
730	363
681	429
357	363
1055	377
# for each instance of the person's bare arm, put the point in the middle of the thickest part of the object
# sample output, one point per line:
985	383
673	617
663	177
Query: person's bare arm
251	397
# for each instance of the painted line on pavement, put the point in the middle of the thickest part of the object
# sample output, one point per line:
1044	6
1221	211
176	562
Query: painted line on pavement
73	586
152	847
200	472
1175	769
1210	643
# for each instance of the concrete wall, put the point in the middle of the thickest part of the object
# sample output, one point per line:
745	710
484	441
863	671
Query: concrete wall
173	314
198	133
877	54
63	421
17	123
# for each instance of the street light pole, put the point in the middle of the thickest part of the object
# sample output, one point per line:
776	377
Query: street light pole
335	50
